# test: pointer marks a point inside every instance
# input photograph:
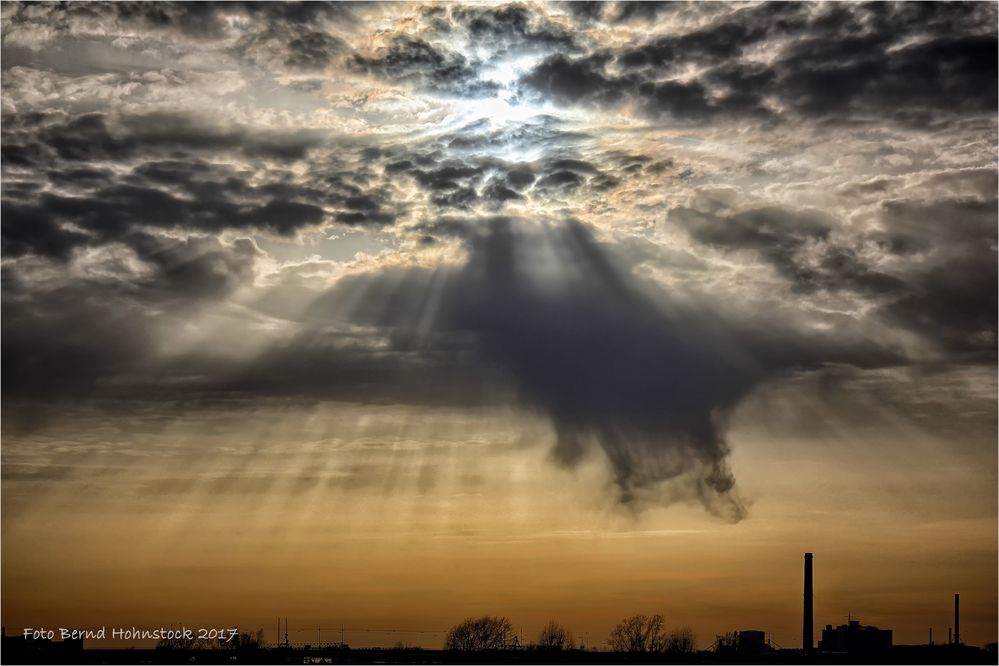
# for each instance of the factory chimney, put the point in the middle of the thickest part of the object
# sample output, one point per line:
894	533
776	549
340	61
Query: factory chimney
957	619
807	623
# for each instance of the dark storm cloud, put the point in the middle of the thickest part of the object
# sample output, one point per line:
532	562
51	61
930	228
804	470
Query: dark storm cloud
358	218
573	80
36	141
28	229
588	81
788	240
74	39
203	21
718	42
598	357
560	180
949	73
778	235
461	198
94	337
448	176
950	289
417	62
114	211
512	26
569	164
369	209
845	63
474	171
519	177
584	11
195	268
187	194
298	47
610	360
115	173
500	193
954	305
475	179
942	284
641	11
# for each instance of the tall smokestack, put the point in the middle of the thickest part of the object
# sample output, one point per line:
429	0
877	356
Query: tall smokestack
957	619
806	624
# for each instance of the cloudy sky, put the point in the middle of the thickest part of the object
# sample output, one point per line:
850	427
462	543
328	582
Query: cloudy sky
387	314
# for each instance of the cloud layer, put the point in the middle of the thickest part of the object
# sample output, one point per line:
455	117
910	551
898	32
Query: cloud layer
626	216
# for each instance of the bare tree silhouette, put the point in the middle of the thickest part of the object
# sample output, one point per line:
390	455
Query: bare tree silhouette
554	637
481	633
681	641
639	633
727	643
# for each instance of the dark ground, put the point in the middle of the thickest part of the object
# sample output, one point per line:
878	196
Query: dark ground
56	653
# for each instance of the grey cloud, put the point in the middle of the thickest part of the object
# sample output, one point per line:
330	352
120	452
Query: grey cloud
37	140
364	218
462	198
167	195
611	361
74	39
940	288
586	80
195	268
950	294
575	80
512	26
447	176
778	235
417	62
584	11
641	11
720	41
501	193
113	174
797	244
519	178
471	178
560	180
912	84
295	46
862	63
201	21
954	305
29	229
94	337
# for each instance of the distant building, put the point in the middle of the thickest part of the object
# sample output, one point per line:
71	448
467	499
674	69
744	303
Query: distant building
752	642
855	638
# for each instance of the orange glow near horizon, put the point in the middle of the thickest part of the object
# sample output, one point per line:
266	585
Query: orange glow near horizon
377	519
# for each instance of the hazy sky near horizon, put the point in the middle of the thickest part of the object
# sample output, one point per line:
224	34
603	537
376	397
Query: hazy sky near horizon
388	314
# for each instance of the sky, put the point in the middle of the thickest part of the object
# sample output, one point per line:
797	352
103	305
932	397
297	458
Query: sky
384	315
